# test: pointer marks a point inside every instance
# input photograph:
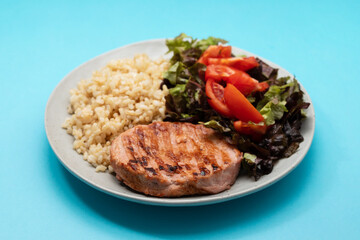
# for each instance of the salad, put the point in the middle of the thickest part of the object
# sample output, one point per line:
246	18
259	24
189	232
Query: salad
239	96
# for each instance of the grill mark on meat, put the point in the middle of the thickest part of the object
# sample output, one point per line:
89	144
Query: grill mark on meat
212	153
206	160
202	147
178	140
164	136
220	158
225	157
142	142
217	160
155	146
210	157
151	170
139	161
144	145
158	128
215	168
193	147
194	138
130	151
133	166
144	161
158	133
204	171
174	147
140	133
172	168
145	140
172	156
147	149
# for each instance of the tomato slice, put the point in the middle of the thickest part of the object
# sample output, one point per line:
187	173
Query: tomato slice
255	131
219	72
215	94
215	51
249	129
243	64
262	86
240	79
239	106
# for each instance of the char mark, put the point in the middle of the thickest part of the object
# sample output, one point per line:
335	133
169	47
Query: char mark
214	167
140	133
129	143
151	170
144	161
172	156
204	171
133	166
171	168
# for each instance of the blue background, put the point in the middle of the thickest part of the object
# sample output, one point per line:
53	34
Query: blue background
41	41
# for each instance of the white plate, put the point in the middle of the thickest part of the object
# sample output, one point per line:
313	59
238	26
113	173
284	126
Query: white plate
61	142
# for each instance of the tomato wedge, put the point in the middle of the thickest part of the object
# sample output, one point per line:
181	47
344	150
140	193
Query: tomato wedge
240	79
215	51
215	94
239	106
243	64
249	129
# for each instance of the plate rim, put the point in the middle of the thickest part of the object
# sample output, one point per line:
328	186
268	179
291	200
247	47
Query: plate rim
176	202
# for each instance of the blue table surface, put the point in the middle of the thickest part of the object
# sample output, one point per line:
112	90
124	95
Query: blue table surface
41	41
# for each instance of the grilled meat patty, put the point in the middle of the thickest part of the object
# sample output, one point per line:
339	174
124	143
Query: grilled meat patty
168	159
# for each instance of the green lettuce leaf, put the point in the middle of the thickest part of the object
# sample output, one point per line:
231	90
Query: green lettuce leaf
273	110
178	90
185	115
250	158
216	125
274	92
241	55
273	104
178	97
173	74
179	43
205	43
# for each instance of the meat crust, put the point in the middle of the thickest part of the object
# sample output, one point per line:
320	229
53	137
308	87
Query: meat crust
166	159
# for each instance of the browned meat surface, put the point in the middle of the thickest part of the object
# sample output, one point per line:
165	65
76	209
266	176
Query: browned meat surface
167	159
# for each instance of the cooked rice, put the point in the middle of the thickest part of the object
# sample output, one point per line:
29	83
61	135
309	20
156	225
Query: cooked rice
123	94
